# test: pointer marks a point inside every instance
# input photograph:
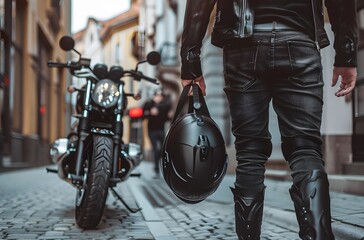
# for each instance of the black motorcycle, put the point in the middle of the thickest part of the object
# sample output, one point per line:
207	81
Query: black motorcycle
94	158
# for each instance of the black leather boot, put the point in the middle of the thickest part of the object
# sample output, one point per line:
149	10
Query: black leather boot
312	204
248	215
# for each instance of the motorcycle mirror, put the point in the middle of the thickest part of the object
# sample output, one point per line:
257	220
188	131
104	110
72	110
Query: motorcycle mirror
137	96
71	89
67	43
153	58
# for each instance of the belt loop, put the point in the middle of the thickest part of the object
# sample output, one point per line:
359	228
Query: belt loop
274	27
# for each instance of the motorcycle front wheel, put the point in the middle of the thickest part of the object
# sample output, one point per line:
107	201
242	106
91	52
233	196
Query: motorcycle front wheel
91	197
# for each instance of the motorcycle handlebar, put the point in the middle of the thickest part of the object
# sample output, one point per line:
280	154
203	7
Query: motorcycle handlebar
56	64
152	80
137	75
72	65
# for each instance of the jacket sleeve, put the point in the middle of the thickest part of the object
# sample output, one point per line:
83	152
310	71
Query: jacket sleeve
196	20
343	18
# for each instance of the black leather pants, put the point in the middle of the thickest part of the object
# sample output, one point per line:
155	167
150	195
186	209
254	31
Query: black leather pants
285	68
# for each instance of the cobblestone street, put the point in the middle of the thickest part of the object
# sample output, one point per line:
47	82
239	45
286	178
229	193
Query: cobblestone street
37	205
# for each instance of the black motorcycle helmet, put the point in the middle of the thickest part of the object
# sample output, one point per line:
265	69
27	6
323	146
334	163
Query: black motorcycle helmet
194	159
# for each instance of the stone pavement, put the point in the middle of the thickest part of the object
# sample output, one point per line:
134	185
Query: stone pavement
279	220
210	219
37	205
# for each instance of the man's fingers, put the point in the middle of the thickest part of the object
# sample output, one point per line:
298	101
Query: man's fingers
186	82
343	92
199	81
347	79
202	87
345	88
335	78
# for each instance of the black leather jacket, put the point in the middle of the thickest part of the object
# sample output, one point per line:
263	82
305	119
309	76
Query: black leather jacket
235	20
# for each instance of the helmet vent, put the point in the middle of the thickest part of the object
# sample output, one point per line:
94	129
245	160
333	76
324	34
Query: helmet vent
204	145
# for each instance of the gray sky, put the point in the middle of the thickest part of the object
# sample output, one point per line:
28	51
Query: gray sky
101	10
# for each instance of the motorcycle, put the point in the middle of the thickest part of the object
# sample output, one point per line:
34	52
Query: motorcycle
94	158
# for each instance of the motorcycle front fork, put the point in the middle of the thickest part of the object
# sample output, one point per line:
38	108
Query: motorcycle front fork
77	179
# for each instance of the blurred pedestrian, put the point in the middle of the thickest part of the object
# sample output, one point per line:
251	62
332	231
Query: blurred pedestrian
157	112
272	52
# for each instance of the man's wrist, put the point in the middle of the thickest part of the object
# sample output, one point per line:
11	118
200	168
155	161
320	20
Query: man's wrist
346	53
191	70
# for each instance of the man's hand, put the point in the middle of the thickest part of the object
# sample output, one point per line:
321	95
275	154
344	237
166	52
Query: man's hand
154	111
200	81
348	80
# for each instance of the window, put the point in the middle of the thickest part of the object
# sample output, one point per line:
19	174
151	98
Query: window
2	13
361	24
16	59
361	19
54	14
43	87
169	55
117	53
2	45
56	6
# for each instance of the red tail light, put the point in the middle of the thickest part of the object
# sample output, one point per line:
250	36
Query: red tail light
136	112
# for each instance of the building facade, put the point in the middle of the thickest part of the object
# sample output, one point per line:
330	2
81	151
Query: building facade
34	107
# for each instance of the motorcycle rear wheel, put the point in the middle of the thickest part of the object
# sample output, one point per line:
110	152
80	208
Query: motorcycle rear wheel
91	198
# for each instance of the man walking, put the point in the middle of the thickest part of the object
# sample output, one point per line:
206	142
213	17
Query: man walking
272	53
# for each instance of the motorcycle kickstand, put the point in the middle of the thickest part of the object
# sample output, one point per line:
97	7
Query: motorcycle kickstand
50	170
123	202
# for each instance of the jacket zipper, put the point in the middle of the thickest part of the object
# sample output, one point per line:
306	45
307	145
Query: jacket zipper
315	25
242	12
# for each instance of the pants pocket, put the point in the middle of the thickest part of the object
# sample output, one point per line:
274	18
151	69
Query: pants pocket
305	61
240	65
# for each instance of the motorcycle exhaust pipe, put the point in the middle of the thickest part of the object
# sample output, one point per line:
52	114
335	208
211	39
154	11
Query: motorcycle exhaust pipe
61	163
131	158
135	153
60	153
59	147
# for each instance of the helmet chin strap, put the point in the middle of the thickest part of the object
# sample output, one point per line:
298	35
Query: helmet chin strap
197	103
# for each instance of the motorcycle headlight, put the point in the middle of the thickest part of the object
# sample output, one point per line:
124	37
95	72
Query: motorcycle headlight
106	93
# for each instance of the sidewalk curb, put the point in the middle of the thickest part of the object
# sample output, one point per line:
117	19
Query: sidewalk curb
345	231
155	224
286	219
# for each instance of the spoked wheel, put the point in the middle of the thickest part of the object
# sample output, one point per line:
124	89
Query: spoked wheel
91	197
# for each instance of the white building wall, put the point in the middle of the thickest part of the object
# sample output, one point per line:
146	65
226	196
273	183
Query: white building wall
91	39
147	21
337	113
166	31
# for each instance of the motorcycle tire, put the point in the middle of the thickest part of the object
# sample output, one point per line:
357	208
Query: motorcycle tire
91	198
